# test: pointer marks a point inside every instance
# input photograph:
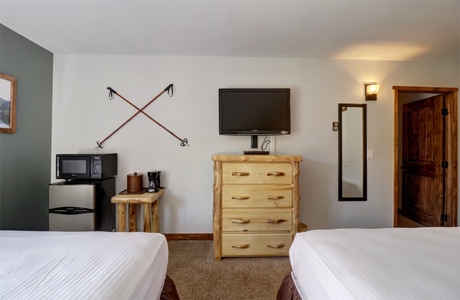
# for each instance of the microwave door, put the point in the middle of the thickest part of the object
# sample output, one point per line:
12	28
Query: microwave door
68	167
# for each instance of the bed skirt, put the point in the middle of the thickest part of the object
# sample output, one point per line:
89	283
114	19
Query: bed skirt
169	291
288	290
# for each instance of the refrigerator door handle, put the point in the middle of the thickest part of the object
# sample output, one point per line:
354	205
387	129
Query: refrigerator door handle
70	210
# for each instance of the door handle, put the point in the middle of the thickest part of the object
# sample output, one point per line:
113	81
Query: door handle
241	221
240	173
276	246
70	210
240	246
275	221
240	197
275	197
275	173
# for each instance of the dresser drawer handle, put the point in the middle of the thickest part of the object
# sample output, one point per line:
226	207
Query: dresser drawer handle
276	246
241	221
240	173
275	197
240	246
275	173
276	221
240	197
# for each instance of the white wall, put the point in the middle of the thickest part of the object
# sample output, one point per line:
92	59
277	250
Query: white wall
82	115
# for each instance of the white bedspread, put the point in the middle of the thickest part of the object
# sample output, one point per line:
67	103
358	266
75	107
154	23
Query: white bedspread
392	263
82	265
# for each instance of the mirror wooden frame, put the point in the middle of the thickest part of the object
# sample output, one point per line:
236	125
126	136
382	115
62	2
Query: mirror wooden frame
7	103
342	107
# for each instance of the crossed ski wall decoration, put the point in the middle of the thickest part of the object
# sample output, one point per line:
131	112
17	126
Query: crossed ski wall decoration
169	89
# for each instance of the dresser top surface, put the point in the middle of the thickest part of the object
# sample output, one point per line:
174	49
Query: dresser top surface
256	158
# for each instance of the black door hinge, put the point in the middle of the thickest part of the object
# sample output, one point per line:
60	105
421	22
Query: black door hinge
444	165
443	217
444	111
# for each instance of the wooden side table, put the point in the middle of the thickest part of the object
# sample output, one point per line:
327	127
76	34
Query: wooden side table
150	202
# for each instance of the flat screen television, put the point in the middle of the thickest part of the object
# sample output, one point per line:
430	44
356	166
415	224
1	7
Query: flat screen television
254	111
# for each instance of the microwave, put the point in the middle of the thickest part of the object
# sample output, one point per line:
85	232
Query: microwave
86	166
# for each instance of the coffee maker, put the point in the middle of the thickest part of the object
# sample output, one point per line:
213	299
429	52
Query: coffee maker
154	181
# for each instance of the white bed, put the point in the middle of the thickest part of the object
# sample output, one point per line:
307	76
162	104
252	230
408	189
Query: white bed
392	263
82	265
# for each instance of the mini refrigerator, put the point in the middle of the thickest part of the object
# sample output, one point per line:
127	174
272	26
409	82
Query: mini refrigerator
82	205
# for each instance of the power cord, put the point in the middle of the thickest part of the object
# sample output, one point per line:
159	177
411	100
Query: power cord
265	143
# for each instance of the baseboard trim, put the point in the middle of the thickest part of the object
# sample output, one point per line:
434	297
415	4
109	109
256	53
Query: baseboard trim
188	236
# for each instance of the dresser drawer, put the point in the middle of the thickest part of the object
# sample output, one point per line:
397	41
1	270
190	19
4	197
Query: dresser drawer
257	173
234	196
251	220
256	244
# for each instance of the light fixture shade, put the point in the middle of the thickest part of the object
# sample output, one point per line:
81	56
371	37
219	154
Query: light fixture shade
371	90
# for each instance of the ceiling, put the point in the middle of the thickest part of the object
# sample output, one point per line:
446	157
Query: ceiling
427	30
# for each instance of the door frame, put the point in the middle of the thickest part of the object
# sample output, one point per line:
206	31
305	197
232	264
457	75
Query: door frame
451	127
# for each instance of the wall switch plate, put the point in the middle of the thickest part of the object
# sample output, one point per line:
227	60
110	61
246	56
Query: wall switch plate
370	153
335	126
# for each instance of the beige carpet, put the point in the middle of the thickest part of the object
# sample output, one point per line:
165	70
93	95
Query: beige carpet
197	276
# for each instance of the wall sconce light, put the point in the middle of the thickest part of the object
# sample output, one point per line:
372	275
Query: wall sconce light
371	90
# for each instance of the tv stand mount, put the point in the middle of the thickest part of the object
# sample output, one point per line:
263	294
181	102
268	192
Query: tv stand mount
254	145
254	141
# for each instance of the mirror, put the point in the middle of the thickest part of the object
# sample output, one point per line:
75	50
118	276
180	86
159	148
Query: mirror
352	152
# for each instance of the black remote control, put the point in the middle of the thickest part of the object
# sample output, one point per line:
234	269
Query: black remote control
256	152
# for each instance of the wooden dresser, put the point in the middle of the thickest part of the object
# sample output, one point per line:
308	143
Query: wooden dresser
256	204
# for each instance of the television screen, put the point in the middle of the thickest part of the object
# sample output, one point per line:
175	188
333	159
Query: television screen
256	111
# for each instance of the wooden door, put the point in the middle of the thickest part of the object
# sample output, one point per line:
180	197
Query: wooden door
423	156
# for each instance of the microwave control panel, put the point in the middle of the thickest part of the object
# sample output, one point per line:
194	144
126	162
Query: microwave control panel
96	167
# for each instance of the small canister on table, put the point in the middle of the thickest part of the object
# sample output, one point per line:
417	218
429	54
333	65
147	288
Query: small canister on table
135	183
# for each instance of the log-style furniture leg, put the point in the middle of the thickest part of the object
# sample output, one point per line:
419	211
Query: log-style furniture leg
121	217
147	213
132	217
156	227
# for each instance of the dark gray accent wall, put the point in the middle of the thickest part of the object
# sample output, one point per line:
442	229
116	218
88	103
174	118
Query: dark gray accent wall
25	156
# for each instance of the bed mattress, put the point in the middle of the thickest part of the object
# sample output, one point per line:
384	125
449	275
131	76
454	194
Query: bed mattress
392	263
82	265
